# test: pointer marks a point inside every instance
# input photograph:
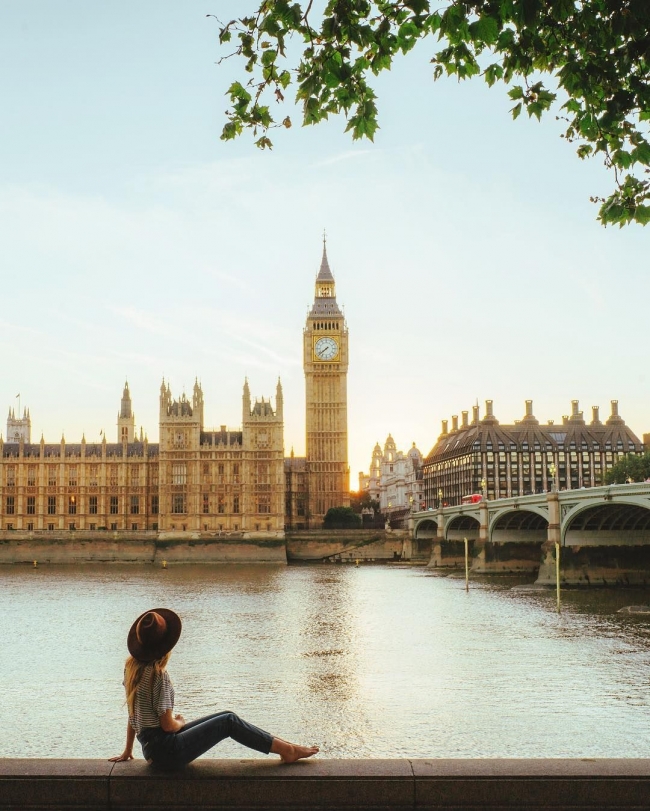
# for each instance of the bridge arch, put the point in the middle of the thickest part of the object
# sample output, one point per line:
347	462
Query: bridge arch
426	528
608	523
462	526
528	524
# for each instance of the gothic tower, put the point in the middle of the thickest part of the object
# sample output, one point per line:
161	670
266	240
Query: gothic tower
325	361
125	418
19	428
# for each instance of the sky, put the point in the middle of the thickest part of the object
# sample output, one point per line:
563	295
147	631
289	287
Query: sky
136	244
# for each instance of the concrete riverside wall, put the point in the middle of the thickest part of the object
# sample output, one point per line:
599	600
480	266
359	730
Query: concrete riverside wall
362	544
141	547
327	785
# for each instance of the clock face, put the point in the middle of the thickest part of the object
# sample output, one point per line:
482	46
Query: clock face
326	349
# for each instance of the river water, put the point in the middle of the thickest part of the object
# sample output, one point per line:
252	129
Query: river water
375	661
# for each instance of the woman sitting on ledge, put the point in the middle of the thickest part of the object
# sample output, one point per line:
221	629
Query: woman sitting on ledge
166	739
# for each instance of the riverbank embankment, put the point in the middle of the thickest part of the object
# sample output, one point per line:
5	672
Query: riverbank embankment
73	547
158	548
327	785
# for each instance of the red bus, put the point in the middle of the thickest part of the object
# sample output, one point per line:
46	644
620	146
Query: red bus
474	498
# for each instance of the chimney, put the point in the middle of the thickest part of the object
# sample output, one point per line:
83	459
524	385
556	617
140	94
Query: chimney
465	420
595	417
576	414
454	422
488	408
445	429
615	418
474	414
530	417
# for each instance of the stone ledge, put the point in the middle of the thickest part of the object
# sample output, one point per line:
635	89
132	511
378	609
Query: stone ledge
327	785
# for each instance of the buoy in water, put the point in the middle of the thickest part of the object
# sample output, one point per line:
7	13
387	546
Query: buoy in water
35	564
164	564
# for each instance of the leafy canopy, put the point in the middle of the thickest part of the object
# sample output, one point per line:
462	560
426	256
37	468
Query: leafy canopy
341	518
596	51
630	468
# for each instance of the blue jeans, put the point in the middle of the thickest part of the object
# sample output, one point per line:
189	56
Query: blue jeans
170	750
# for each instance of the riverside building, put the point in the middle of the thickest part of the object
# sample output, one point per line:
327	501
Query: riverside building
501	461
394	481
195	479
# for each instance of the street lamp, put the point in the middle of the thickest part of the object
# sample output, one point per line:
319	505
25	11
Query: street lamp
440	499
484	488
552	469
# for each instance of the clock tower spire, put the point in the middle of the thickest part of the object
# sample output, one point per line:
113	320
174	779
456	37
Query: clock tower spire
325	362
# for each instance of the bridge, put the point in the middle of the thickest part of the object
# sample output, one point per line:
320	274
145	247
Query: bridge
603	532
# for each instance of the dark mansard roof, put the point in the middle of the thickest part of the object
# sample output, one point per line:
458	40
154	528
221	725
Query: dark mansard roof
221	437
262	409
295	464
572	434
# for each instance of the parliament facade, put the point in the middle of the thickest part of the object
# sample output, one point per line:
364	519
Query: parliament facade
195	479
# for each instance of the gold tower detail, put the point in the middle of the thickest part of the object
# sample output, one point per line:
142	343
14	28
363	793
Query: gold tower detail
325	361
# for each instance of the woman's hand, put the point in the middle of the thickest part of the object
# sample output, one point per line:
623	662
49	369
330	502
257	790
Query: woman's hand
126	755
171	723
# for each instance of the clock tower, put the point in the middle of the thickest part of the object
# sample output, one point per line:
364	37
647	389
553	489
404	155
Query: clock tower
325	361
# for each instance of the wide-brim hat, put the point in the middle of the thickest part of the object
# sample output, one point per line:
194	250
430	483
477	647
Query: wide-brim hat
154	634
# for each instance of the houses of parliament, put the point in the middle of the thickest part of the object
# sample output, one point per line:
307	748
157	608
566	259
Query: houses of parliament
195	479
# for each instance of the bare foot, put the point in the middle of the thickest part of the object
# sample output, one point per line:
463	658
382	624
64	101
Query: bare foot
290	752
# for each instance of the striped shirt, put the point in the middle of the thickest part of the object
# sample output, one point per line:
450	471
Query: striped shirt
151	701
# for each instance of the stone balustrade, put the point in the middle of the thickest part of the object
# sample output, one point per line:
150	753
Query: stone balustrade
319	784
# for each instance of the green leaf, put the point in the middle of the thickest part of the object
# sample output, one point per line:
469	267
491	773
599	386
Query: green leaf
516	93
485	29
418	6
516	110
237	91
642	154
642	214
622	158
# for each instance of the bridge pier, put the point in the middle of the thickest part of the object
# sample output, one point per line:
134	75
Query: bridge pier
596	566
506	558
604	534
444	554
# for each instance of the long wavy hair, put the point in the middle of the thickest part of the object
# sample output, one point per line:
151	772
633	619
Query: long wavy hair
133	672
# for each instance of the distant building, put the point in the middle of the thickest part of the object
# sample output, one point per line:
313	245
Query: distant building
395	481
502	461
195	479
369	483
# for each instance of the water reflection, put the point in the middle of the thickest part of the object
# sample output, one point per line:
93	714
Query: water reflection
374	661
